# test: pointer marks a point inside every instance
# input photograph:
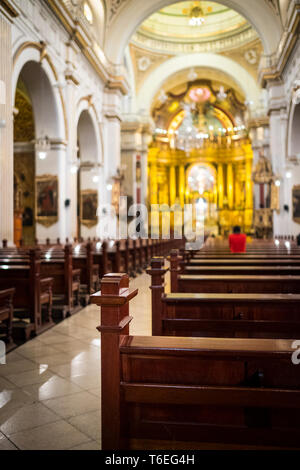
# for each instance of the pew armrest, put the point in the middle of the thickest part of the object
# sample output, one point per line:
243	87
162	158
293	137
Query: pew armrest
76	273
46	283
6	296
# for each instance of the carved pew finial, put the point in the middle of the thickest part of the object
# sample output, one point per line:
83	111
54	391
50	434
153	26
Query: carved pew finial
157	273
174	269
114	301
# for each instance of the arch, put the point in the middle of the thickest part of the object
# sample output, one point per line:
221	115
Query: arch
31	56
129	18
86	115
178	63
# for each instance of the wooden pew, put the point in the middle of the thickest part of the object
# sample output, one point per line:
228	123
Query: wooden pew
83	259
192	278
56	262
6	317
191	393
66	281
32	294
221	314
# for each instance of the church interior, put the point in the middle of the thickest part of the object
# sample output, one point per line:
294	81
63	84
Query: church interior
114	340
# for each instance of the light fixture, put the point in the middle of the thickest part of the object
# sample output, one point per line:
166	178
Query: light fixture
222	95
277	183
288	175
95	179
277	242
42	147
109	187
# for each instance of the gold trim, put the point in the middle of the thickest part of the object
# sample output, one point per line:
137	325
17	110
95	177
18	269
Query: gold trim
87	222
47	221
9	8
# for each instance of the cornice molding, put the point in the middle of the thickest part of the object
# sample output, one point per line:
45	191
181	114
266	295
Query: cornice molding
80	35
9	9
286	47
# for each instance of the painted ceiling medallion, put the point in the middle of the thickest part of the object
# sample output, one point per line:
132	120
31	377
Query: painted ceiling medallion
196	15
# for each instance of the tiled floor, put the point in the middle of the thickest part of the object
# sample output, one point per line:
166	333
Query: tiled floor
50	386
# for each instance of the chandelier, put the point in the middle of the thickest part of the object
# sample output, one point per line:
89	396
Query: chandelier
188	136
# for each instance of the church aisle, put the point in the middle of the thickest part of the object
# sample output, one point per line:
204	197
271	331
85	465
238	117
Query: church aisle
50	386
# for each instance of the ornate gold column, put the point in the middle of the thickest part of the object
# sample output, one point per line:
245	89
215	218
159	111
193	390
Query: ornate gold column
221	185
249	184
230	185
172	185
182	185
153	182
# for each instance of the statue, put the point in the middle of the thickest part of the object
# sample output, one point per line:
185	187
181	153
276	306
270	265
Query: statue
263	172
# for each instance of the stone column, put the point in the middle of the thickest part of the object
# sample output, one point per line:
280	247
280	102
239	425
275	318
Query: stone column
112	136
6	132
278	136
72	151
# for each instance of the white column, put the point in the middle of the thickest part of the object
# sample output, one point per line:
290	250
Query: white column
71	177
55	165
6	135
278	136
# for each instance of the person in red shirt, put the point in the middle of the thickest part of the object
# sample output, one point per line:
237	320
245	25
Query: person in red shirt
237	241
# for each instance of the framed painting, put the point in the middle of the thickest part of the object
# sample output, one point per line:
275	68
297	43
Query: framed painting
296	204
46	200
89	207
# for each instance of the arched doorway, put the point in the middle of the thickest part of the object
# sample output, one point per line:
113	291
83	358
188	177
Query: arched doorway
88	176
39	152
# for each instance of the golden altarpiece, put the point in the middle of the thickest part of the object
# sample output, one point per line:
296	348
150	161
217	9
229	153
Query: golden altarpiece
203	156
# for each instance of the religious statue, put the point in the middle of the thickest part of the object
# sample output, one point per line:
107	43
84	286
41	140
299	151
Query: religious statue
263	172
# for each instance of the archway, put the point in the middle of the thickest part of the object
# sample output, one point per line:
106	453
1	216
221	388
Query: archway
89	176
39	155
154	82
127	19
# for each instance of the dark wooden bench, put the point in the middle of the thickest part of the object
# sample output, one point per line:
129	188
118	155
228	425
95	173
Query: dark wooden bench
56	262
192	393
33	297
66	280
221	314
6	317
83	259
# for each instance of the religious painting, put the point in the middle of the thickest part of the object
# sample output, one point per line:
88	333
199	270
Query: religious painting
115	196
47	200
89	207
296	204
